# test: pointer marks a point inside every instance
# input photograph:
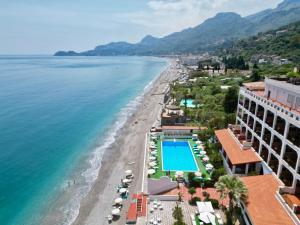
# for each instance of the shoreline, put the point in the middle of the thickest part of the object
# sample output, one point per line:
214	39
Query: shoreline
130	139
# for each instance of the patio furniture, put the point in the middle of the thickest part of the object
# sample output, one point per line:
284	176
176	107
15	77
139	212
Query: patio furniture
151	171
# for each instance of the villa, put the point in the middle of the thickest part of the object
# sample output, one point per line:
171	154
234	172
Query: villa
265	142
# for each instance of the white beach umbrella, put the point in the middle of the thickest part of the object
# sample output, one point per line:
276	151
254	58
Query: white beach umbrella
179	173
151	143
151	171
122	190
209	166
152	164
126	181
202	152
198	142
152	146
195	135
118	200
205	159
128	172
198	174
154	153
152	157
115	211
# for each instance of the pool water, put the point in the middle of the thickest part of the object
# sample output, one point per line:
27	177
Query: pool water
178	156
189	103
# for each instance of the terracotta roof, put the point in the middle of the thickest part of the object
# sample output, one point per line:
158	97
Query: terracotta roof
179	128
233	149
255	86
263	207
132	213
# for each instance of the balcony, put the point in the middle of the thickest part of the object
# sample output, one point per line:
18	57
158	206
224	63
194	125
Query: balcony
258	128
251	122
270	118
273	164
267	136
264	153
252	107
280	125
286	177
294	135
290	156
255	144
260	112
247	103
276	145
245	117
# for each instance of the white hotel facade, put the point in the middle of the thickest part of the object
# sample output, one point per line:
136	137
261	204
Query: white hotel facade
266	137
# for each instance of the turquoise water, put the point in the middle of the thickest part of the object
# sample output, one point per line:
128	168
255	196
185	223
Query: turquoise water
189	103
57	116
178	156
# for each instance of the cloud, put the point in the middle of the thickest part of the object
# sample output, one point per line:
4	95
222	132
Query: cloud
162	17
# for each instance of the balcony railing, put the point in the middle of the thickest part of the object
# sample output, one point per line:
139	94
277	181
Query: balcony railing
272	104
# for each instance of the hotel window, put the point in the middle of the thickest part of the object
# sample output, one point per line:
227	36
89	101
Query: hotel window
291	99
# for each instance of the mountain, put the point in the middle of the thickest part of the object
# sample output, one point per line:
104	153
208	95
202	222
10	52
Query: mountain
219	30
283	42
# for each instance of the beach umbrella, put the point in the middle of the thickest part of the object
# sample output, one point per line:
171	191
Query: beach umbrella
128	172
154	153
152	157
152	146
115	211
198	142
179	173
198	174
202	152
122	190
118	200
152	164
195	135
209	167
151	171
205	159
126	181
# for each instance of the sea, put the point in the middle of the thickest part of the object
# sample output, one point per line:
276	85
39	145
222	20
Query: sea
58	115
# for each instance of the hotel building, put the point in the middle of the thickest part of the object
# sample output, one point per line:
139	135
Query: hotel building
265	142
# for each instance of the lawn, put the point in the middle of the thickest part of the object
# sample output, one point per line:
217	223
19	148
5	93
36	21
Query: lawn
160	172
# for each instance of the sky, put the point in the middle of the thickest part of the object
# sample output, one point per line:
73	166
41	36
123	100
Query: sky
46	26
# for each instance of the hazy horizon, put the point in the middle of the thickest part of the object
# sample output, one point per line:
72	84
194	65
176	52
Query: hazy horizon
41	28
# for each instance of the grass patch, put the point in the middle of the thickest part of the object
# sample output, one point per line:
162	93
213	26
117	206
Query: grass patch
159	172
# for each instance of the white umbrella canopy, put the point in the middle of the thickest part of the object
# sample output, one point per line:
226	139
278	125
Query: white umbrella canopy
122	190
128	172
151	171
115	211
152	157
152	164
209	167
198	174
118	200
202	152
152	146
179	173
126	181
198	142
154	153
205	159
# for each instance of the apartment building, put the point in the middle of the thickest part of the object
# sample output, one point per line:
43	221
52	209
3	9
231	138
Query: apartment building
266	141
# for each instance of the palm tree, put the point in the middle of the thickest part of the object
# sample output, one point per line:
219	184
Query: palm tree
233	188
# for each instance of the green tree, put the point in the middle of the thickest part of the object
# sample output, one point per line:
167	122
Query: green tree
192	191
255	75
233	188
230	100
178	215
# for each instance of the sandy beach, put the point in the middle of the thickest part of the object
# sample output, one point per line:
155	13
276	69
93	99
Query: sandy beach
128	147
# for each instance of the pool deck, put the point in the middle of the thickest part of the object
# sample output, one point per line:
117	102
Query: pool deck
160	172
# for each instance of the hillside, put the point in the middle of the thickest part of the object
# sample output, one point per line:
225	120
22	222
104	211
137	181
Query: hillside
284	42
221	29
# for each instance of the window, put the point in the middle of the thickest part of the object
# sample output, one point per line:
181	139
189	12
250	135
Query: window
291	99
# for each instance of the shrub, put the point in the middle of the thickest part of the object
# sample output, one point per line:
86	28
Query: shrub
215	203
194	200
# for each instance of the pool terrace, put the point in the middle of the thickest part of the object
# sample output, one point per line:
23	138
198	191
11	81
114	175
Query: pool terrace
159	170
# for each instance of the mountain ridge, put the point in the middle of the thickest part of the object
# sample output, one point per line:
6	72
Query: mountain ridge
215	31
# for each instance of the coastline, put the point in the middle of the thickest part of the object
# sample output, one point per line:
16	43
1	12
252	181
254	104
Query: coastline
127	147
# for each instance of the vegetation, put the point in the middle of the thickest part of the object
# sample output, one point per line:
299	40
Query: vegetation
233	188
284	42
192	191
178	215
235	63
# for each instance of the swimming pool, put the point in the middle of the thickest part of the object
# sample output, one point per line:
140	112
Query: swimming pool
178	156
189	103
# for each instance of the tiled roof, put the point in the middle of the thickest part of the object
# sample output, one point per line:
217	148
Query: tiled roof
179	128
255	86
263	207
234	150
